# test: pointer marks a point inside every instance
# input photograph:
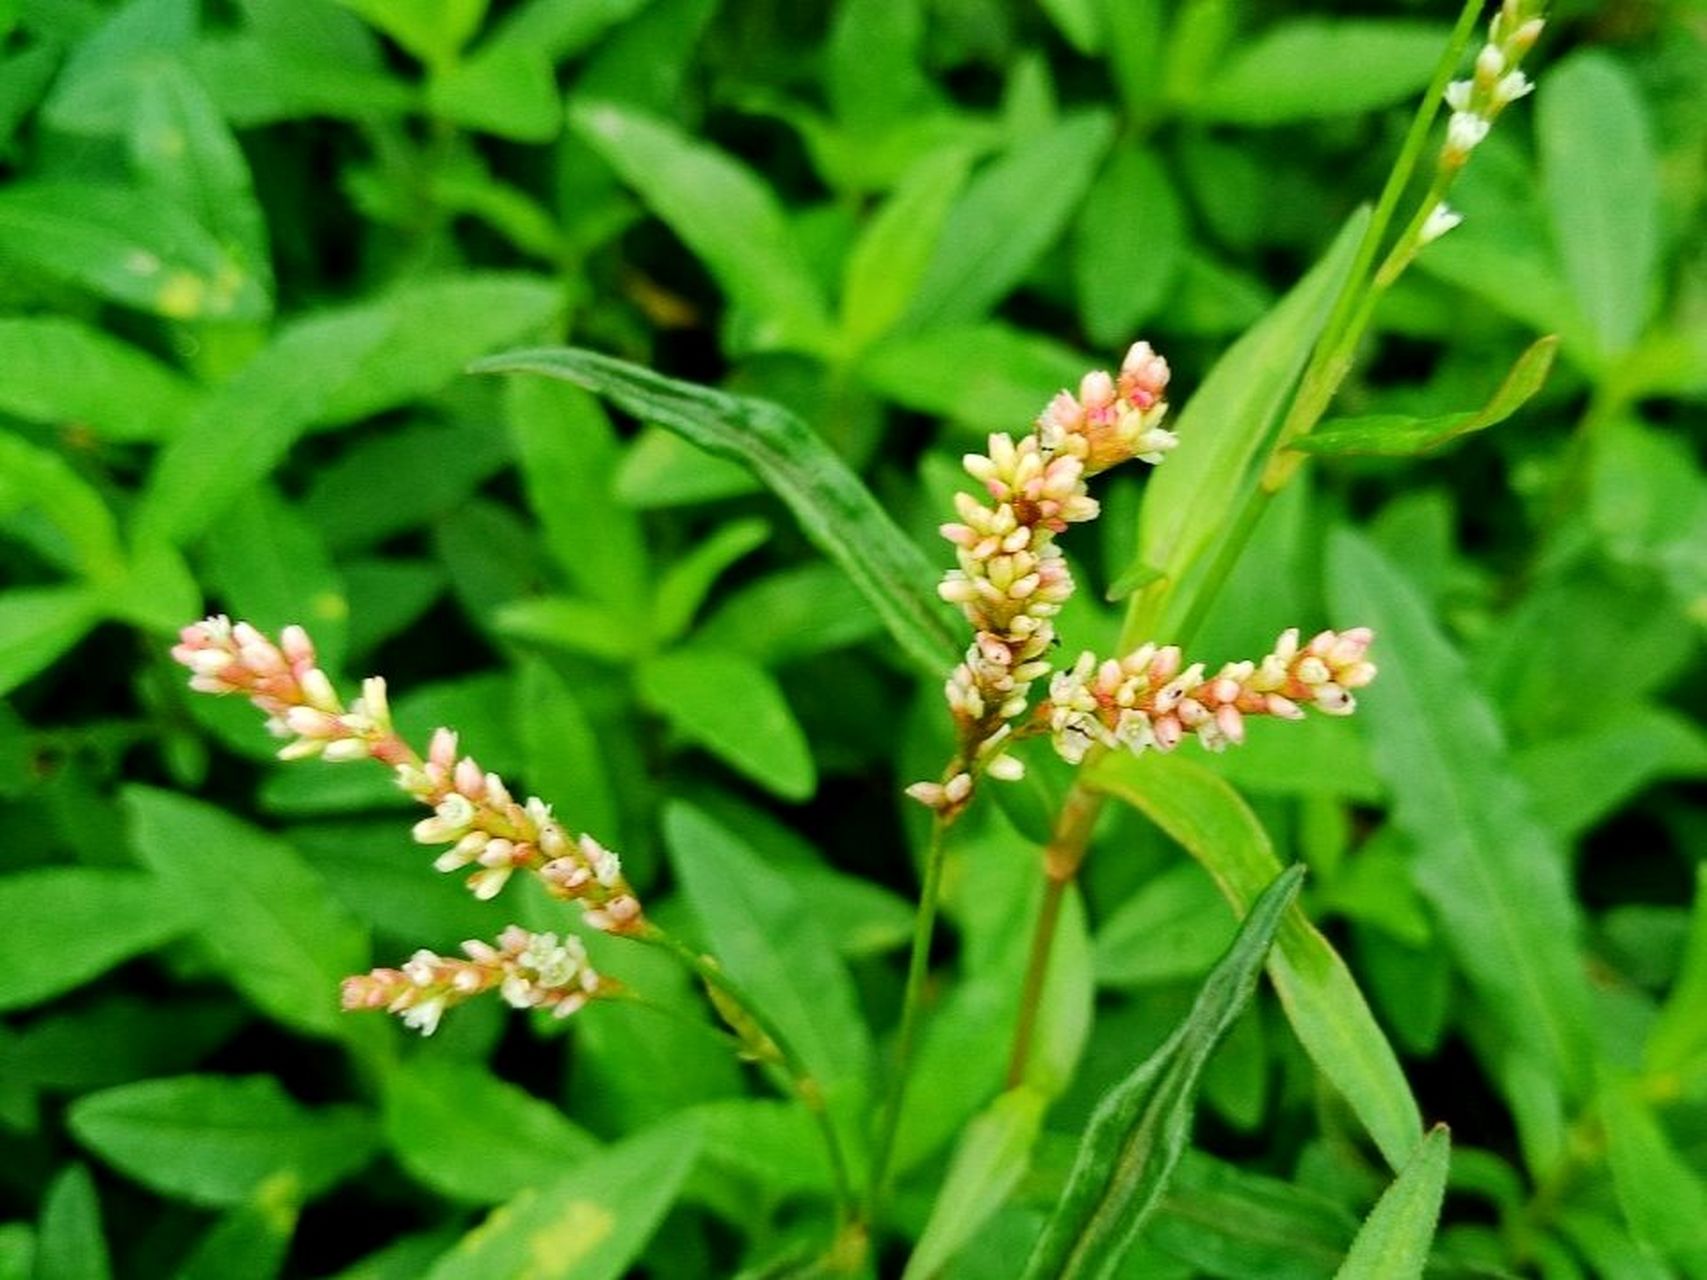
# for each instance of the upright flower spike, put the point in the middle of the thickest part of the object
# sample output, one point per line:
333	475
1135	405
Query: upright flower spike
528	970
1010	578
473	811
1146	700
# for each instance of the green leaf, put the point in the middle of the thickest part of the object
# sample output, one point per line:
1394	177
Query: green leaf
562	28
686	584
1394	1240
115	1039
38	624
1579	779
69	1241
663	470
574	626
1493	874
566	763
588	1225
889	258
1320	997
993	1155
837	512
272	569
1601	179
1400	435
873	56
251	1240
126	247
98	90
214	1140
244	427
1677	1041
1193	495
1664	1200
111	916
62	372
468	1135
734	709
568	453
1128	245
44	501
794	613
1141	1126
505	89
265	915
1310	68
982	376
771	946
1174	927
433	30
1228	1221
1012	211
725	214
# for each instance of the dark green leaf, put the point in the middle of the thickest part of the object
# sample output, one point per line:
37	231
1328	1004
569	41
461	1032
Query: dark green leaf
251	1240
1140	1128
1128	245
836	510
69	1242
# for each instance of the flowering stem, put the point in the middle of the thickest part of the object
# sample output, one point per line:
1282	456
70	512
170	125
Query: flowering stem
918	966
1061	859
726	992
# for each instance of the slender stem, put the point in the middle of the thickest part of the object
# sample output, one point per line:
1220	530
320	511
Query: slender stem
918	966
1062	857
805	1086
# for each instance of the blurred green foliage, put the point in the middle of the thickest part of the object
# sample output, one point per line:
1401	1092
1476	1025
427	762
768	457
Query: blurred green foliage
248	249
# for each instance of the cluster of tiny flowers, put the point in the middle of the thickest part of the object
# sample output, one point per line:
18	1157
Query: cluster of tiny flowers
1011	579
528	970
473	811
285	681
1145	700
486	828
1476	102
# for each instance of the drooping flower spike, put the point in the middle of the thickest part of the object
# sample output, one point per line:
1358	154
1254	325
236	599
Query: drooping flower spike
473	811
528	970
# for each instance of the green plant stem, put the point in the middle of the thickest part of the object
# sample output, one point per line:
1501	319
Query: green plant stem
804	1085
918	967
1062	857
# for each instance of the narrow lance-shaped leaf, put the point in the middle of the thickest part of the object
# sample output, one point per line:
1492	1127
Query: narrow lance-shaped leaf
1140	1128
1492	872
1321	999
1394	1240
834	508
1398	435
1191	498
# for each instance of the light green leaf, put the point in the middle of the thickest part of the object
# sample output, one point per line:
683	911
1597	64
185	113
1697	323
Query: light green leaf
793	613
1140	1128
433	30
251	1240
63	372
126	247
725	214
759	931
1578	779
45	502
1193	494
993	1154
260	80
1664	1200
837	512
98	89
1399	435
1128	245
574	626
687	583
889	258
1309	68
1677	1041
986	377
506	89
69	1242
264	913
215	1140
734	709
38	624
1601	178
588	1225
873	59
1174	927
1321	999
243	428
559	29
1012	211
112	915
566	763
1492	873
661	469
468	1135
1394	1241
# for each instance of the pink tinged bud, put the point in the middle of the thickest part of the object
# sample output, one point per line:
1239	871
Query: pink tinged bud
442	749
1231	723
1286	647
497	853
302	749
246	636
317	689
1285	708
297	647
488	882
1006	768
1168	731
1313	671
1224	690
1166	663
1096	390
470	781
1357	675
1335	701
496	791
203	662
343	750
929	794
958	788
310	723
211	684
